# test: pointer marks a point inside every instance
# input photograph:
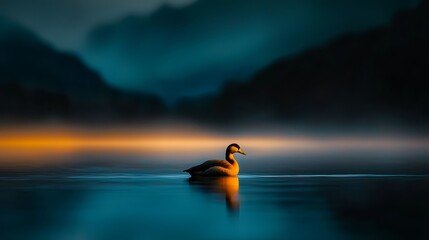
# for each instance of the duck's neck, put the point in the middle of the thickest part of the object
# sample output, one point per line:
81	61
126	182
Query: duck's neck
230	157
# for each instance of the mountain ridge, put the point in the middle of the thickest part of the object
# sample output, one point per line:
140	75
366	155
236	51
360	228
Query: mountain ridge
361	77
37	81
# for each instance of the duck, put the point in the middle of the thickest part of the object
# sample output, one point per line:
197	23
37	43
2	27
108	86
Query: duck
227	167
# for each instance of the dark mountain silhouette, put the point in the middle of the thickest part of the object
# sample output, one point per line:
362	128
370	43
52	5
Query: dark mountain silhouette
189	51
36	81
377	75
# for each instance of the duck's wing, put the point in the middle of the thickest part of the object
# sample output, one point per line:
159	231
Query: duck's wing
208	164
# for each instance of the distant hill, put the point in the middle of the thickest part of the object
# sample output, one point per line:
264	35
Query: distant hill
381	74
38	82
192	50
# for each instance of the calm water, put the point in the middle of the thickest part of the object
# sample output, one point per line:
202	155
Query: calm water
172	206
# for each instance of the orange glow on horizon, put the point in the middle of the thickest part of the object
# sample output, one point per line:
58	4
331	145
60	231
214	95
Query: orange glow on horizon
39	146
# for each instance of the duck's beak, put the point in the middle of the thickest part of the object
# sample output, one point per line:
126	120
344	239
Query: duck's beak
241	151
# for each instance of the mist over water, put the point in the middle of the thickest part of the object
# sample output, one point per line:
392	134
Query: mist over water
174	147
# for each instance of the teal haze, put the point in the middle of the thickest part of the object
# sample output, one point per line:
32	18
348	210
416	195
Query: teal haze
192	50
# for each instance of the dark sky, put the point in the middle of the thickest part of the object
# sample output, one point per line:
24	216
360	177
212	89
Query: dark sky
65	22
195	46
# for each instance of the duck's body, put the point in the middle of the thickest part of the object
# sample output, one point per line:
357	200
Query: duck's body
228	167
215	168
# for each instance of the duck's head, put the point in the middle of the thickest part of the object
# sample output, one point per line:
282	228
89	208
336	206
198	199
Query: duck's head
235	148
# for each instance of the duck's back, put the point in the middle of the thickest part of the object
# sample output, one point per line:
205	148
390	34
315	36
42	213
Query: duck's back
208	164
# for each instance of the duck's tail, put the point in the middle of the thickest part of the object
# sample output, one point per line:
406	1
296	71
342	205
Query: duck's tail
188	171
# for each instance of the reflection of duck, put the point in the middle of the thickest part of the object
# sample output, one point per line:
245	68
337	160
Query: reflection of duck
228	167
225	185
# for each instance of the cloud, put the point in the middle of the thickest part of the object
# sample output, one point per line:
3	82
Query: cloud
66	22
194	49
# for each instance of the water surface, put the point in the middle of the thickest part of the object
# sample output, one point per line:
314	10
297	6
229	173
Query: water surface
253	206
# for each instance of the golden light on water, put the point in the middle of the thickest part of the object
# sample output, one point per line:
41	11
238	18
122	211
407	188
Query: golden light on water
42	146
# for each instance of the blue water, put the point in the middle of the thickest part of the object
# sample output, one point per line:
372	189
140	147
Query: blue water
172	206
